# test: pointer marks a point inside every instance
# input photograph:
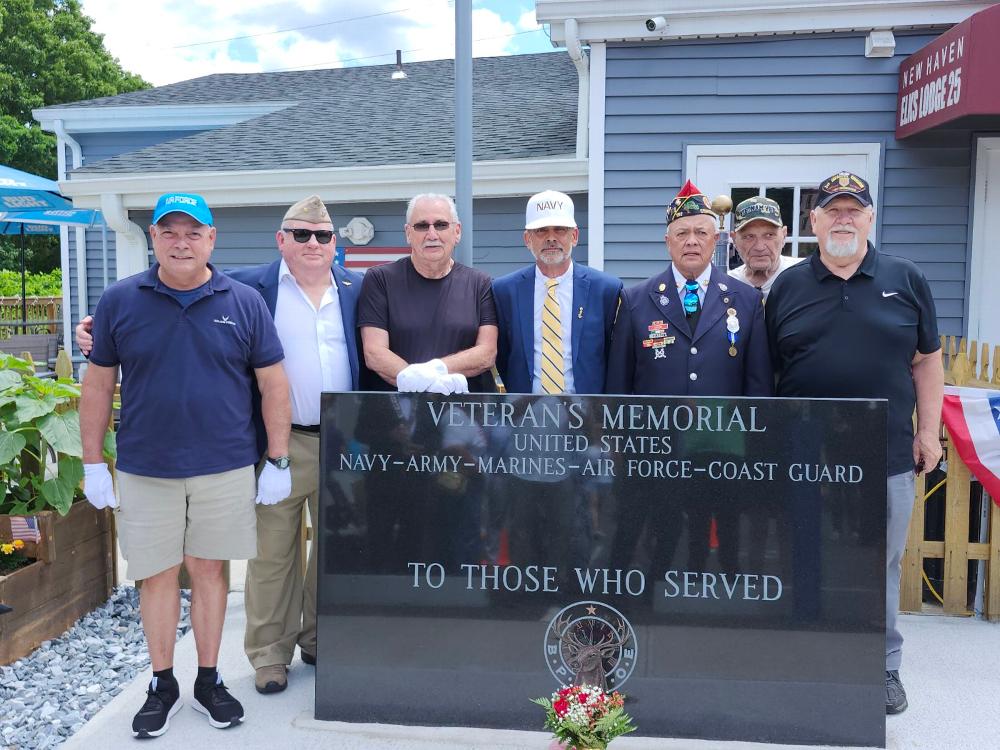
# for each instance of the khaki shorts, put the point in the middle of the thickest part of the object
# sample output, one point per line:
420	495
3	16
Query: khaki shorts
160	520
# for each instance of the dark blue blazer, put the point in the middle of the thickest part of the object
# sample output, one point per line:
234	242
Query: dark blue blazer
695	363
265	280
595	300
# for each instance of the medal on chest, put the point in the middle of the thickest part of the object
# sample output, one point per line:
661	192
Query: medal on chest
732	330
658	338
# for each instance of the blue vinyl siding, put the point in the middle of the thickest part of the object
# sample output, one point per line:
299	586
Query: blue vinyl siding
661	98
245	237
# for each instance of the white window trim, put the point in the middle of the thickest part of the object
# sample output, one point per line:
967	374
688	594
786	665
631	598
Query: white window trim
872	151
595	180
978	255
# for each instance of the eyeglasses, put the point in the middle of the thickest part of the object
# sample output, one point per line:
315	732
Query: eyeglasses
439	226
323	236
557	231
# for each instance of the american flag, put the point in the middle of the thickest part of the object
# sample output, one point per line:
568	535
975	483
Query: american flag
25	528
363	258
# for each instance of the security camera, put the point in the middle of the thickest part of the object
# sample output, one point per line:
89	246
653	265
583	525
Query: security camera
659	23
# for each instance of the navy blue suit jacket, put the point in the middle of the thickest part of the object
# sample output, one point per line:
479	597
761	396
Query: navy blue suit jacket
265	280
595	301
694	363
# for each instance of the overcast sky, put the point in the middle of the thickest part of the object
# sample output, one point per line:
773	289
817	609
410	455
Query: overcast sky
166	41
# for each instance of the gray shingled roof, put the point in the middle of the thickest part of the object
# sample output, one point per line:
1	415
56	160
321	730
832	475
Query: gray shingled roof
524	106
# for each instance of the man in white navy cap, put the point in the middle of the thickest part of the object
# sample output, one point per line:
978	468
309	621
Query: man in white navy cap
555	316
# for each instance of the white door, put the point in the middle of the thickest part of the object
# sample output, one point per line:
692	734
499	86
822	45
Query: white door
984	272
787	173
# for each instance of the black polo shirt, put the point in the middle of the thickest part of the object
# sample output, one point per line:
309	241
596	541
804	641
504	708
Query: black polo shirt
854	338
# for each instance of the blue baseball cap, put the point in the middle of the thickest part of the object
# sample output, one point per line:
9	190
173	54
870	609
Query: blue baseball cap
185	203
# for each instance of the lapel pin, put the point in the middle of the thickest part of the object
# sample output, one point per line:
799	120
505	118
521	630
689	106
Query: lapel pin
663	300
579	314
725	300
345	282
661	287
723	287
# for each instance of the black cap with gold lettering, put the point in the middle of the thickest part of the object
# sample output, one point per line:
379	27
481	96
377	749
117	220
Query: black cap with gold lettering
844	184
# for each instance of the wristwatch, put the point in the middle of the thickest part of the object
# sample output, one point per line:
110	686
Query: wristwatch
280	462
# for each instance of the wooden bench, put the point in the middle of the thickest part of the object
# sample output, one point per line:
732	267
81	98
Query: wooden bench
41	346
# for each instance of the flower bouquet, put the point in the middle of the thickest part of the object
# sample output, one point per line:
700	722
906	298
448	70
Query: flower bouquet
583	717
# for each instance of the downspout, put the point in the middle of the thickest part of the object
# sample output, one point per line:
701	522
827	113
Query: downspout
579	58
131	251
64	139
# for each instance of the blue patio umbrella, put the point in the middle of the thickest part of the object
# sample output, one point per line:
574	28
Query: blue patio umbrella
42	212
21	191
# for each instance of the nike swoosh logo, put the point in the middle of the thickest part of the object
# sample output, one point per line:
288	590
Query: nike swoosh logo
889	294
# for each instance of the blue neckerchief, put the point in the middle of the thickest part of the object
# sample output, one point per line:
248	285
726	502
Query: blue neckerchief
691	297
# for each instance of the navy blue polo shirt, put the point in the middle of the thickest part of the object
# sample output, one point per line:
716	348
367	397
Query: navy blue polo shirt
854	338
186	372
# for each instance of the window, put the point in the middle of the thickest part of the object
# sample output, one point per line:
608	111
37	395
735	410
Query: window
785	172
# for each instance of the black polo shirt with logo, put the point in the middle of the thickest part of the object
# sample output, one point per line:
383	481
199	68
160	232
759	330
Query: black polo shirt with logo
854	338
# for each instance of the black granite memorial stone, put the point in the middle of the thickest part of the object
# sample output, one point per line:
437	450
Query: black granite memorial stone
720	561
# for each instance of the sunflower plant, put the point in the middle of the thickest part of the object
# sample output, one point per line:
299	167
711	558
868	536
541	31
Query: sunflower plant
41	456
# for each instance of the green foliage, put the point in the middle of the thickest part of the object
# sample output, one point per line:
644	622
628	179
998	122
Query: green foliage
41	454
38	284
601	725
49	55
41	254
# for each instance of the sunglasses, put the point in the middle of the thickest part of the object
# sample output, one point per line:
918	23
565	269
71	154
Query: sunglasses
439	226
323	236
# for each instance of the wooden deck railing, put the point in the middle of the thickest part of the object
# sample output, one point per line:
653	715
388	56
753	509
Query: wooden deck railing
969	366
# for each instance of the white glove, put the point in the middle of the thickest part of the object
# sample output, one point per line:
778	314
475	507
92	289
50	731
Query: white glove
273	484
98	486
419	377
448	384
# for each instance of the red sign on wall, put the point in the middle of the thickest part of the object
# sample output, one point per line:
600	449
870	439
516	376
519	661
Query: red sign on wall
953	76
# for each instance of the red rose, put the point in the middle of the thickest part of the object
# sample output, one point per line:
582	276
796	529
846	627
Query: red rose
561	706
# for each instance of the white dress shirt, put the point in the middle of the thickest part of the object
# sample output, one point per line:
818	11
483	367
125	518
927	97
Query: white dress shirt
315	345
564	293
703	279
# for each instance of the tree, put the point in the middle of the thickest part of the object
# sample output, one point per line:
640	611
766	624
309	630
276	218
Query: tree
49	55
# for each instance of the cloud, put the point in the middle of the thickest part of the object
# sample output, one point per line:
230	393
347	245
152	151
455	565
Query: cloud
167	41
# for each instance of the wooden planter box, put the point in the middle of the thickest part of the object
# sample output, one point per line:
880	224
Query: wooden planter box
73	575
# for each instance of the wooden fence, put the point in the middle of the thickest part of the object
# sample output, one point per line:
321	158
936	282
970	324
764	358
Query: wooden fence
44	312
969	366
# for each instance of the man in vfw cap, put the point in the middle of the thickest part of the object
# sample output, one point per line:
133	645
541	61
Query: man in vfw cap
691	330
851	322
192	344
314	305
759	235
568	355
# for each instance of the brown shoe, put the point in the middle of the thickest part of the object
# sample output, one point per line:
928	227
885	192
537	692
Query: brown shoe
271	679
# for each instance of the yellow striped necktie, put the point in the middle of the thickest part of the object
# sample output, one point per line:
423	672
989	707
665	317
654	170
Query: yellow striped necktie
553	380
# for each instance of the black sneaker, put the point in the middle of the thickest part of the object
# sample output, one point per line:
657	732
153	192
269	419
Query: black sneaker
162	702
895	695
213	700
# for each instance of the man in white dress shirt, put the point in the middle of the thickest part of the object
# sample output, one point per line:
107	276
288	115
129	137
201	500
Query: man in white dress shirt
314	304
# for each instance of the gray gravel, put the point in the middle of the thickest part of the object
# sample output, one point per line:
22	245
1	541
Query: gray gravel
47	696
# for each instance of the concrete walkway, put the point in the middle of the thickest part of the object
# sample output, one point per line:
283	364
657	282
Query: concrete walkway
951	672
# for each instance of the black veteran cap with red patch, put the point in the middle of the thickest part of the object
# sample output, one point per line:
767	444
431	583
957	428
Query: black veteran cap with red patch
689	202
844	184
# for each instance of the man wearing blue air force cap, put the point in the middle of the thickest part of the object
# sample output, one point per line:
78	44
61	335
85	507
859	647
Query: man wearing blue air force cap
191	343
184	203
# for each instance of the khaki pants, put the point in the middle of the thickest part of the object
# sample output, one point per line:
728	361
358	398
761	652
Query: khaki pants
280	605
